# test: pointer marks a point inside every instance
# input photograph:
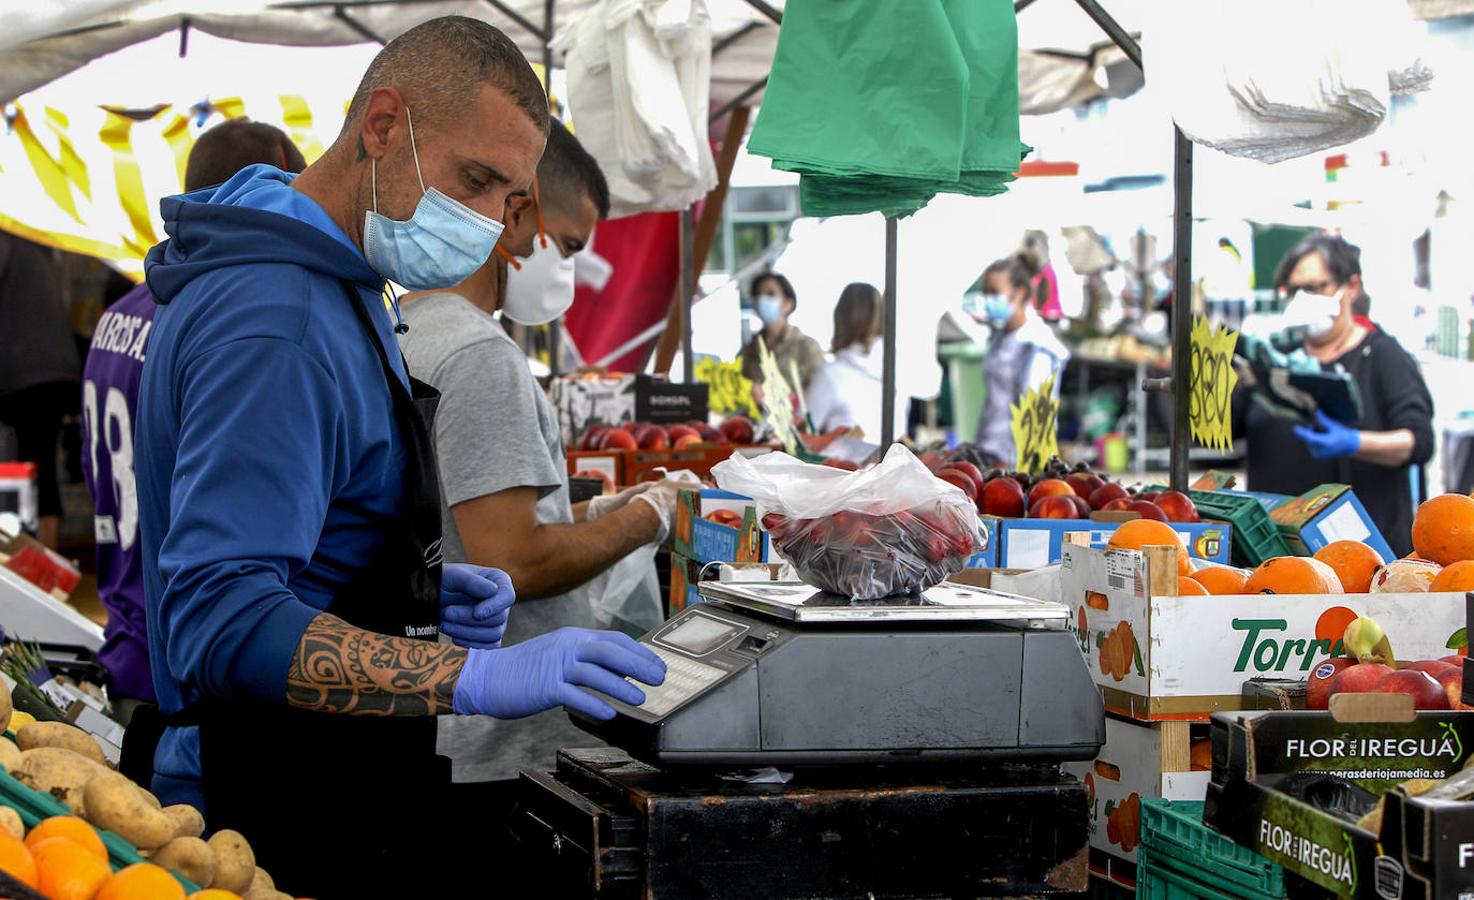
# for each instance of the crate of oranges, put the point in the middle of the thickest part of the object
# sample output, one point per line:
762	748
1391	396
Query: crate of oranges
1167	637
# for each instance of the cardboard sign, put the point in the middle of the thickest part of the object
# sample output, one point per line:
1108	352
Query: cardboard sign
728	390
1035	427
667	402
778	400
1212	383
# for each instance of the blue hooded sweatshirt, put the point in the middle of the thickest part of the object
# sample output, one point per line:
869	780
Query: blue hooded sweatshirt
266	452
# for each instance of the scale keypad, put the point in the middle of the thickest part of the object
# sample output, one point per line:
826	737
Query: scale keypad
684	678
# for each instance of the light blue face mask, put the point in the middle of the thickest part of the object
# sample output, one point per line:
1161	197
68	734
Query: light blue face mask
769	309
441	244
996	308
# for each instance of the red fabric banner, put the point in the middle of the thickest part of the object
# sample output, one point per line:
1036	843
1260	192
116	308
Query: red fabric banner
645	253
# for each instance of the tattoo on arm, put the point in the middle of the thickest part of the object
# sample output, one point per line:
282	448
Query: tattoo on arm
342	669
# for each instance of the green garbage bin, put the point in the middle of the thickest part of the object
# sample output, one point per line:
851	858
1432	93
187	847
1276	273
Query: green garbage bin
969	390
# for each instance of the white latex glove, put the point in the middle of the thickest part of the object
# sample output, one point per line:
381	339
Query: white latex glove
603	504
661	496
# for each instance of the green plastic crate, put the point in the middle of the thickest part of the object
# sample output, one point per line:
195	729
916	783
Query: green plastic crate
1255	536
1158	882
1176	840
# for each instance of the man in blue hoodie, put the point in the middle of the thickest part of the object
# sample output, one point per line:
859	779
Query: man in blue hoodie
288	497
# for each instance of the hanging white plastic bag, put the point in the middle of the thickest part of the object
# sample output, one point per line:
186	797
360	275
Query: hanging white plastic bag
627	594
892	529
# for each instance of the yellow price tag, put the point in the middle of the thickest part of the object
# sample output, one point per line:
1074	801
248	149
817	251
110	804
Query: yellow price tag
1035	427
728	391
1211	385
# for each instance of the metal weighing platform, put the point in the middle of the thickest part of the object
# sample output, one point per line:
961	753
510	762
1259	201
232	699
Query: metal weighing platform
804	745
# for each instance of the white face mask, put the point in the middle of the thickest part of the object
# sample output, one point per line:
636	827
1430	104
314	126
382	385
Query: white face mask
1314	314
542	289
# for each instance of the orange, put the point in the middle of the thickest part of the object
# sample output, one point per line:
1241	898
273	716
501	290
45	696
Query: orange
1354	562
1187	587
1457	577
1221	579
71	828
142	881
1443	529
1293	575
1138	533
67	870
16	861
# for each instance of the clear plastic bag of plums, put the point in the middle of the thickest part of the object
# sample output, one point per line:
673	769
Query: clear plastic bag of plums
891	529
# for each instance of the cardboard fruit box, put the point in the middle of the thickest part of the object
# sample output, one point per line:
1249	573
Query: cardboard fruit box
1297	788
702	540
1157	655
1034	543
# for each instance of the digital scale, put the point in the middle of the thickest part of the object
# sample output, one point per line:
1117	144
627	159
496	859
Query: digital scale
783	674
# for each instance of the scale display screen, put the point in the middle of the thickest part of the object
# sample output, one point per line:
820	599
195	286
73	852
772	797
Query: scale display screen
700	635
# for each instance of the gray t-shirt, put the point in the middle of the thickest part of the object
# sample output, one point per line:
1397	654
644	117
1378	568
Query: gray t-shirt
494	430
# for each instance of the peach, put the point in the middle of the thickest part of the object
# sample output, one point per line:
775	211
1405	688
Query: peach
1117	505
1319	687
1084	483
1057	506
1361	678
739	430
1147	510
1082	508
1426	692
1453	685
618	439
960	479
1049	487
1178	506
1105	494
1003	497
963	465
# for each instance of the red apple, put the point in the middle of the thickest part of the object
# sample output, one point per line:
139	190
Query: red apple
1003	497
739	430
592	437
1147	510
1084	483
1057	506
1117	505
1178	506
1426	692
1082	508
1149	496
1319	687
963	465
686	440
676	432
1453	685
962	480
711	435
1454	660
618	439
1049	487
651	437
724	517
1361	678
1434	667
1105	494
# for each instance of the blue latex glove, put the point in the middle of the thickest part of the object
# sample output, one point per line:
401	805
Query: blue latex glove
552	670
474	604
1329	439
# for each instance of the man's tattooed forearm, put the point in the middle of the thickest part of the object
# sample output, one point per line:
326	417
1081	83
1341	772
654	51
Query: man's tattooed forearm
342	669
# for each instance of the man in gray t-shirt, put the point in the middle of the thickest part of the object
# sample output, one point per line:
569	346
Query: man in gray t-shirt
502	467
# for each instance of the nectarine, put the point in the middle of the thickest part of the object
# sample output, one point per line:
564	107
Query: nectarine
1049	487
1105	494
1177	506
1002	497
1147	510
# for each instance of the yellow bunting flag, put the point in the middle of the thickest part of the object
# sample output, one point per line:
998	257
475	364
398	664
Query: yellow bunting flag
117	135
727	389
298	119
177	135
51	172
1212	383
1035	427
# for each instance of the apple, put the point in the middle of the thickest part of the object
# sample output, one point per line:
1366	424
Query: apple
1434	667
1426	692
1453	685
1084	483
739	430
1105	494
651	437
1147	510
1148	496
961	479
1117	505
724	517
1002	497
592	437
1361	678
1082	508
618	439
1049	487
1178	506
711	435
676	432
685	440
1056	506
1318	691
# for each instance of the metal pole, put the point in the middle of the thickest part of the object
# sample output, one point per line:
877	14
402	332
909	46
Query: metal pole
555	327
688	292
888	358
1182	232
1113	30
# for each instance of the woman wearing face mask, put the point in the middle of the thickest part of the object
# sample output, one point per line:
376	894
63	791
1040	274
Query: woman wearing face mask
774	301
1382	455
1022	352
846	392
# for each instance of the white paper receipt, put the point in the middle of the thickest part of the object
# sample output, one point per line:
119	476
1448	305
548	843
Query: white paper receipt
1027	550
1344	524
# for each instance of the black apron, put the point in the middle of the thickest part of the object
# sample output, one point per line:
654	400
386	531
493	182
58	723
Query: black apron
345	805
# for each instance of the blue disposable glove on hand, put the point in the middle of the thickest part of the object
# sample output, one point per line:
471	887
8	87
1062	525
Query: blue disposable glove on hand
1329	439
474	604
552	670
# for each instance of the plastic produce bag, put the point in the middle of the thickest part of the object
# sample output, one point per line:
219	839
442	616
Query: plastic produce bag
892	529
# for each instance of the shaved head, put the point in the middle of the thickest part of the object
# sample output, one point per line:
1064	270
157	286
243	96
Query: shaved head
441	66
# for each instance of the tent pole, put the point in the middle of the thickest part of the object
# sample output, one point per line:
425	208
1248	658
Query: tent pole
766	9
688	292
738	101
888	348
1182	281
520	19
1113	29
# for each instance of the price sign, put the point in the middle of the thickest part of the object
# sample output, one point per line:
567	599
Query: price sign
728	391
779	402
1035	427
1212	382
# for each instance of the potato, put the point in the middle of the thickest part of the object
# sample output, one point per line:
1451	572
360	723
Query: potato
115	803
190	857
237	861
10	820
58	772
149	796
59	734
6	709
9	753
262	881
187	820
265	894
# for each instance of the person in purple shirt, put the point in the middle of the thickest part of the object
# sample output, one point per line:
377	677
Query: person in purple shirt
111	376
